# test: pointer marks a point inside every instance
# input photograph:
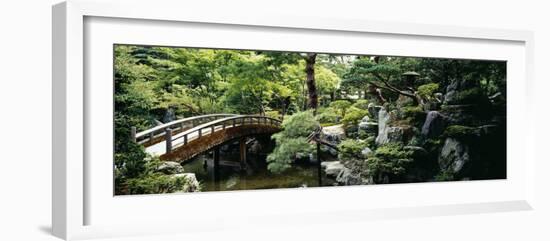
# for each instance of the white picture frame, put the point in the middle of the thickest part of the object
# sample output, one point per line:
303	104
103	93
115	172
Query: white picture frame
76	192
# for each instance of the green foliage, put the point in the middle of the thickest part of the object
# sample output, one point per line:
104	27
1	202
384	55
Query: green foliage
470	96
341	106
159	183
291	142
444	176
389	159
135	173
150	81
361	104
426	91
286	152
460	132
354	116
413	114
273	114
327	116
351	149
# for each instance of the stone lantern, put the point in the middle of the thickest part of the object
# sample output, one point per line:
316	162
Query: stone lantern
410	78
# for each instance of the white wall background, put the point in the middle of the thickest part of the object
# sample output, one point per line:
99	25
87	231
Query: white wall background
25	101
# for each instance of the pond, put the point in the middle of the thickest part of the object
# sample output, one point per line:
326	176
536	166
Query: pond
304	173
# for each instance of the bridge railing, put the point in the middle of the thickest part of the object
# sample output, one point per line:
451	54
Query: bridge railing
157	132
199	131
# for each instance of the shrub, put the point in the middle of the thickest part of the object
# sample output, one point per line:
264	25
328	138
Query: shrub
426	91
444	176
300	124
361	104
328	116
286	152
341	106
160	183
148	181
389	159
353	116
292	141
273	114
413	114
469	96
351	148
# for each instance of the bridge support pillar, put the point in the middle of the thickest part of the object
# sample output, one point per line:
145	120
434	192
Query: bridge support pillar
133	132
168	139
216	157
242	152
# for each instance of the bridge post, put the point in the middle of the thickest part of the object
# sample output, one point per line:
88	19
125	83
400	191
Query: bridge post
133	131
200	133
216	157
168	139
242	152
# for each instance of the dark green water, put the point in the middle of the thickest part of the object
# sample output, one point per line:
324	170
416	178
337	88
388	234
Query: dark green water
256	175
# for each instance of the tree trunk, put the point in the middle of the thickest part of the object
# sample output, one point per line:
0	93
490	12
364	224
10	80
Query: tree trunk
310	81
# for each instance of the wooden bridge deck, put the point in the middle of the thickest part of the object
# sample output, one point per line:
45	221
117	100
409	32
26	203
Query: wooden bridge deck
183	139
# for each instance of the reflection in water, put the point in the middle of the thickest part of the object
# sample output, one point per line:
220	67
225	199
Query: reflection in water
254	176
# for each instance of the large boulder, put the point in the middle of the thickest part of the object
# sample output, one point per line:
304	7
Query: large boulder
454	156
169	115
394	134
191	184
374	110
333	135
383	126
434	125
348	177
169	167
370	127
332	168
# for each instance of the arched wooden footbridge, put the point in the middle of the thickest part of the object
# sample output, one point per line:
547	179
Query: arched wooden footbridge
186	138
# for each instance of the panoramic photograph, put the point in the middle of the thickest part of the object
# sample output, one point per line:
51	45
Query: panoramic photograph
201	120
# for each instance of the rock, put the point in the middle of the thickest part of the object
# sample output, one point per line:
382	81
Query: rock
365	152
334	135
368	126
394	134
454	155
332	168
434	125
373	110
383	121
418	151
169	115
397	134
192	184
347	177
451	97
255	147
438	96
169	167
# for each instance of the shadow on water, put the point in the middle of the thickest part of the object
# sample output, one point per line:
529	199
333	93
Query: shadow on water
303	173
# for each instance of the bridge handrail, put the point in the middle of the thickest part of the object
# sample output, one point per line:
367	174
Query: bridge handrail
221	121
177	122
